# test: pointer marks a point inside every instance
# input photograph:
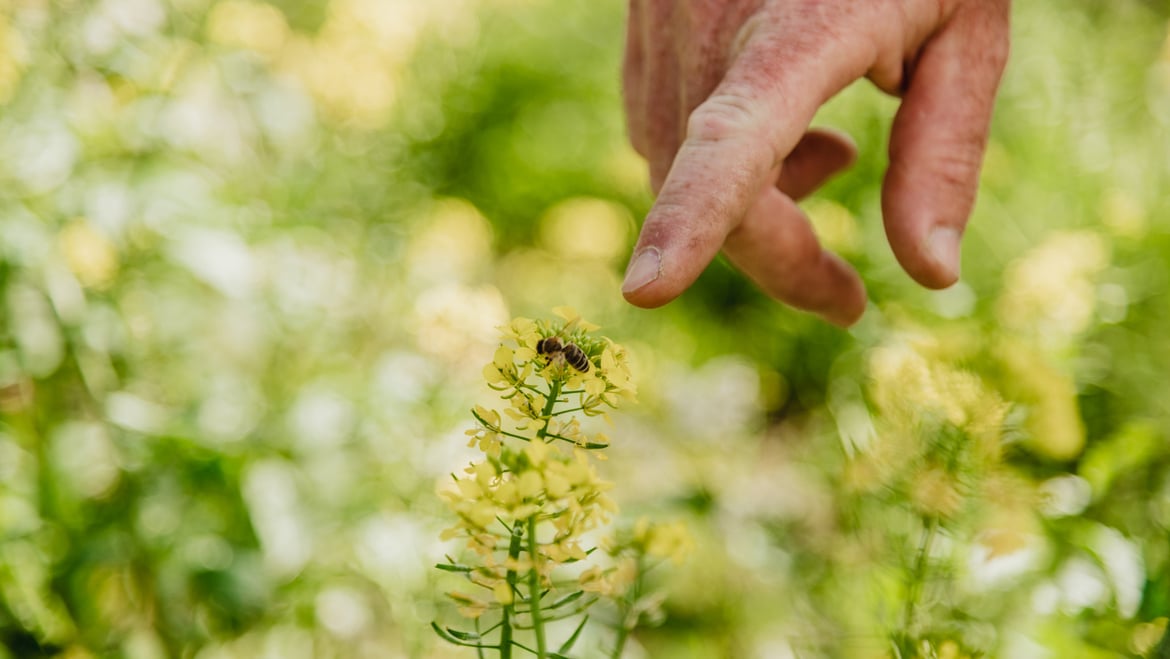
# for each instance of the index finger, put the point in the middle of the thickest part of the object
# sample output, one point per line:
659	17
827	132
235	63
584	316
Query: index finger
789	65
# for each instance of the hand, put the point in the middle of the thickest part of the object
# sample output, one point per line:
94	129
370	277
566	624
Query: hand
719	97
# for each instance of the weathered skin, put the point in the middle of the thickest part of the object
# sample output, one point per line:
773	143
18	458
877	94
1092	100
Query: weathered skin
719	96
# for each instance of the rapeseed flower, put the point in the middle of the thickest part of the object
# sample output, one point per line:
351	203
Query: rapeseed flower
532	503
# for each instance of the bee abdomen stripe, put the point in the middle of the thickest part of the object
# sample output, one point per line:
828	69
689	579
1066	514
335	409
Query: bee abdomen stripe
576	358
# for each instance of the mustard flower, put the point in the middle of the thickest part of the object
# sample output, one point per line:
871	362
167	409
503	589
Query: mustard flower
528	507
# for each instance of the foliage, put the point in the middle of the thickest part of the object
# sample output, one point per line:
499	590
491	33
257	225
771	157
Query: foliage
252	255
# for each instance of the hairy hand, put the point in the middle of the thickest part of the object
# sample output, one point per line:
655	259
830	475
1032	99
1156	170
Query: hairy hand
719	97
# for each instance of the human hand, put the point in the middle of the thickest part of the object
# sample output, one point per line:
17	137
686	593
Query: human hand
719	96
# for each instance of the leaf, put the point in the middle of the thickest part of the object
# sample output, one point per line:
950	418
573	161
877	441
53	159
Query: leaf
571	597
568	644
464	636
449	567
449	635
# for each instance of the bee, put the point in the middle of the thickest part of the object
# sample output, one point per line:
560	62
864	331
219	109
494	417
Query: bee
554	348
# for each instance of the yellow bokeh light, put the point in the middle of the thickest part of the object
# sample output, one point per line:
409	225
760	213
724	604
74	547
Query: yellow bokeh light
586	228
1050	292
453	244
1124	215
252	26
12	52
89	254
834	225
353	65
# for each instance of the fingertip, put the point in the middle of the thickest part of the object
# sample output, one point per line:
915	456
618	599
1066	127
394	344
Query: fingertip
778	250
943	253
657	275
937	143
644	270
850	305
929	252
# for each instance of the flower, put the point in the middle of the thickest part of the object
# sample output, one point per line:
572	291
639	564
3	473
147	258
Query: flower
667	541
537	473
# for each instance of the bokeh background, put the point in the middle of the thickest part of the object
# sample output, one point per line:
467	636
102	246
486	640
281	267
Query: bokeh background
252	255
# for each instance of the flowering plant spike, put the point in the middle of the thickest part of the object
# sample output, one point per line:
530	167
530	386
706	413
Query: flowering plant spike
527	510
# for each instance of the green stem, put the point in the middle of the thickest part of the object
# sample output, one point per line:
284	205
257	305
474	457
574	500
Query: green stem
553	392
514	549
506	631
628	604
479	649
534	591
918	578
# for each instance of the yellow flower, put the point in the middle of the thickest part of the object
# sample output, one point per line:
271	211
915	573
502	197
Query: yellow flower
574	319
503	593
467	605
537	451
612	582
538	489
529	485
503	357
934	492
671	540
490	417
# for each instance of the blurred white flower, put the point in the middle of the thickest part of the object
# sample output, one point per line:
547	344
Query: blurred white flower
343	611
320	419
41	155
719	399
1083	585
220	258
231	409
85	458
136	413
270	493
35	329
1124	566
1065	496
458	323
397	550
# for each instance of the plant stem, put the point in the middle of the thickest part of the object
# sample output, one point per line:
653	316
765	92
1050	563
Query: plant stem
628	604
514	549
554	391
506	631
918	577
534	591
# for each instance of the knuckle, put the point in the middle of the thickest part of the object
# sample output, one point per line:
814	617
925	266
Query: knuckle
722	117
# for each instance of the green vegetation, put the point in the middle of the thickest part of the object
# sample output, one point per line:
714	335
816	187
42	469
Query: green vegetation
253	258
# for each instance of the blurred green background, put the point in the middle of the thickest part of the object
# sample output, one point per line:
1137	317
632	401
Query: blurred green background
252	256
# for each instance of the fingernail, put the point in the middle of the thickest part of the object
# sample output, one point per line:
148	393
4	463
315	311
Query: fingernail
942	244
645	268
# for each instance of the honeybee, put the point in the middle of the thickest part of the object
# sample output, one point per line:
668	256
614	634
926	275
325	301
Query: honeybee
554	348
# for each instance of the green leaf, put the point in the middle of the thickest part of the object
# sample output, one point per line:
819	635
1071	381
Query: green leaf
571	597
459	638
568	644
448	567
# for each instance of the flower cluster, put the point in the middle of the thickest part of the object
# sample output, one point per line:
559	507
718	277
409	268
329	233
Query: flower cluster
939	429
534	501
